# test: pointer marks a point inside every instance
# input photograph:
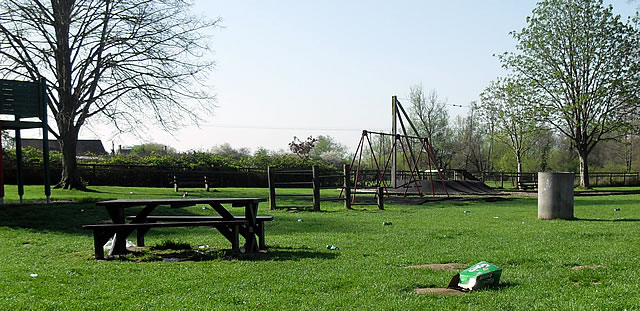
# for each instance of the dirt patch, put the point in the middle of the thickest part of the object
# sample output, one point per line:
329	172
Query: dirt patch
588	267
438	291
439	266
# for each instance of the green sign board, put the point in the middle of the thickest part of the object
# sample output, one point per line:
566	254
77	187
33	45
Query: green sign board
22	99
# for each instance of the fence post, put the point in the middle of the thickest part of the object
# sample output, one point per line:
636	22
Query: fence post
316	188
272	188
501	180
347	186
380	198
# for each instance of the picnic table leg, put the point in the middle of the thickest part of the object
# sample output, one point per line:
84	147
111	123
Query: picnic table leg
235	243
118	217
120	240
140	236
250	212
142	218
248	231
100	237
260	231
226	232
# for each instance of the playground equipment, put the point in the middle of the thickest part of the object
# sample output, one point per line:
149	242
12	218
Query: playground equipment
403	164
417	156
25	100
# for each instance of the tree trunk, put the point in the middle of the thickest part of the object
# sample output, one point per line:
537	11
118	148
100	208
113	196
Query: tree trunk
584	169
519	168
68	103
70	173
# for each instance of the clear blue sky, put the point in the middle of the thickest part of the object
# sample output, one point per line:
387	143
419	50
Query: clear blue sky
300	68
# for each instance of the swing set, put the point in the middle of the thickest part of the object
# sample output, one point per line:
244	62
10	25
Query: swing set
413	153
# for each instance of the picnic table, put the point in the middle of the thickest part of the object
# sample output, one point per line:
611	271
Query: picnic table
250	226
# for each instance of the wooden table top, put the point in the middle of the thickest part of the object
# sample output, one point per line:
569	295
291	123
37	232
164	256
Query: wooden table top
179	201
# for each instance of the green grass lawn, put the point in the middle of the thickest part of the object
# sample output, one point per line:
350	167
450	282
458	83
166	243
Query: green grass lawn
367	272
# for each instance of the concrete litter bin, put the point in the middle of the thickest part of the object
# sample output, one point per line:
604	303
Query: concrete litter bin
555	195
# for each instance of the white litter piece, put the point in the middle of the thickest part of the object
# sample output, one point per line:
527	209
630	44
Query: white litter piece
33	275
109	245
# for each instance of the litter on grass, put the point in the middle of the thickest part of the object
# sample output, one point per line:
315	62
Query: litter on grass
332	247
482	274
107	246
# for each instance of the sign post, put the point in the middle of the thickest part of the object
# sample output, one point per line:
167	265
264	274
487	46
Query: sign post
25	100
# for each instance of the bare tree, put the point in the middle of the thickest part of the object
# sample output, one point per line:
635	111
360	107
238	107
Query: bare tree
430	115
123	61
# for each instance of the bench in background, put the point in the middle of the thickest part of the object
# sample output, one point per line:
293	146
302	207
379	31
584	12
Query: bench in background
182	180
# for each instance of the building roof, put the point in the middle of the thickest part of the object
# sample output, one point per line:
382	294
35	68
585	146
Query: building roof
93	146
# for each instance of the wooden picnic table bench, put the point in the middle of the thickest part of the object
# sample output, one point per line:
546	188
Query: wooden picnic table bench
229	225
196	219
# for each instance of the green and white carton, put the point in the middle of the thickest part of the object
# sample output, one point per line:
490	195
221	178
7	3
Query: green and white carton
482	274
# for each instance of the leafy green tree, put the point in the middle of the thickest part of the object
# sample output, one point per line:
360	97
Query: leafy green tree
583	62
327	149
228	151
151	149
511	105
128	62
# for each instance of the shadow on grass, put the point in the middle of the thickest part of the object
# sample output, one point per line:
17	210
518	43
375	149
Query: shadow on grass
501	286
607	220
67	217
182	253
70	217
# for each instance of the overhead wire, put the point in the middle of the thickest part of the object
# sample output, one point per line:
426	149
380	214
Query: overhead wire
284	128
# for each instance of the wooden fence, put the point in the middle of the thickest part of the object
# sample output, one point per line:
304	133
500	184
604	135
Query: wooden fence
316	181
530	180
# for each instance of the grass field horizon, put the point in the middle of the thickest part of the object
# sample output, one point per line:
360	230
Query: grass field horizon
47	258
